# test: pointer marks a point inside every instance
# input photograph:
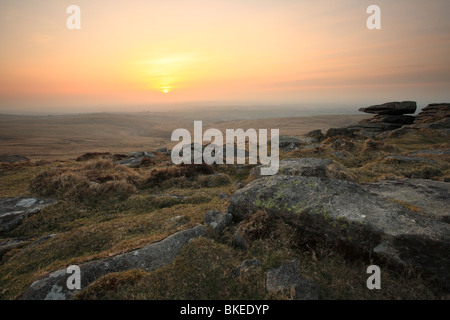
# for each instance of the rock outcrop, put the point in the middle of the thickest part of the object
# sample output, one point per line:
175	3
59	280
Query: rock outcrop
14	210
342	213
431	197
150	257
392	108
435	115
389	116
307	167
136	158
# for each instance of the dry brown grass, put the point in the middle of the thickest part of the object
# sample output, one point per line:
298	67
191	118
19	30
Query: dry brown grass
98	180
369	146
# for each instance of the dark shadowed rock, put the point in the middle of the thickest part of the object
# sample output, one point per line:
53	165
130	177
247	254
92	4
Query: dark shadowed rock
435	113
239	241
12	158
398	120
316	134
288	278
342	212
392	108
150	257
333	132
389	116
14	210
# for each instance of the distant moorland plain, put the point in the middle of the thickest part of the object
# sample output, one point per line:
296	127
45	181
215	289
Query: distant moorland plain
68	136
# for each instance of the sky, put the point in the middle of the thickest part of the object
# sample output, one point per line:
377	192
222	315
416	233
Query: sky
140	55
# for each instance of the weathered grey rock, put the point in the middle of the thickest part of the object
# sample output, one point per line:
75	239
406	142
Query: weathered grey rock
177	221
289	278
405	159
433	152
312	146
40	240
136	157
14	210
244	266
217	220
150	257
22	243
343	212
292	143
239	184
432	197
296	140
9	244
392	108
141	154
290	147
131	161
307	167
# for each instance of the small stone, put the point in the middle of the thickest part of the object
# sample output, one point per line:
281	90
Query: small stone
288	278
223	195
218	220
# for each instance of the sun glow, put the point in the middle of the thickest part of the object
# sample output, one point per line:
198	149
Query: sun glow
165	73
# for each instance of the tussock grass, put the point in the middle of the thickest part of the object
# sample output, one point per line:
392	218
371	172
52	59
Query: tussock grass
369	146
105	209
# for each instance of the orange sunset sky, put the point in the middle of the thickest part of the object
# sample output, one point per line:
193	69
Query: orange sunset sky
137	54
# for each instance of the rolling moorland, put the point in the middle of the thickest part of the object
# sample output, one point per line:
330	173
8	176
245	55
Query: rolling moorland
100	191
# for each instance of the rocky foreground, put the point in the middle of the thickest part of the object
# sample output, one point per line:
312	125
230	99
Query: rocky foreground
401	221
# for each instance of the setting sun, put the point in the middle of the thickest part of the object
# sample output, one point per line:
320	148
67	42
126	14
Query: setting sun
239	52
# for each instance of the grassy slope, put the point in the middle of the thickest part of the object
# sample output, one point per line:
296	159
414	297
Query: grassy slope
89	229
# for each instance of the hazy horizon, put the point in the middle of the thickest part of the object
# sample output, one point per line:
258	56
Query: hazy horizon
138	56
